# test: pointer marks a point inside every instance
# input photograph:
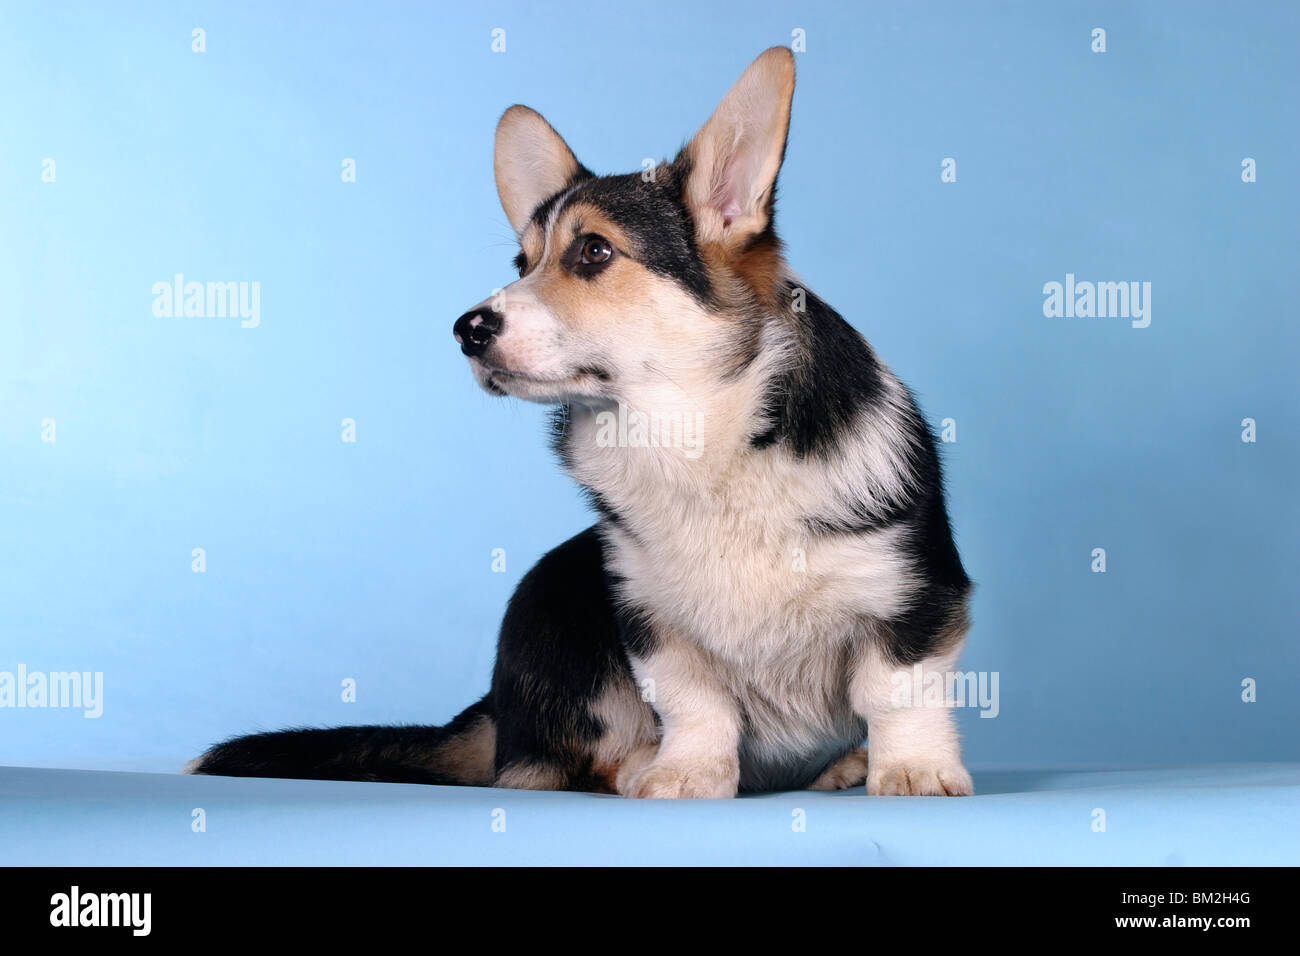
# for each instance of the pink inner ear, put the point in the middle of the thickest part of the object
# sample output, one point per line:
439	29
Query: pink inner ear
735	183
726	197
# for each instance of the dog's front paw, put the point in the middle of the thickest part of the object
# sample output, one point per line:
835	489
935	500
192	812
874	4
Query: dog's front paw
703	779
919	778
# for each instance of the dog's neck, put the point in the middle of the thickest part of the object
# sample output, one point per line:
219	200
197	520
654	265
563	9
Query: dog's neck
684	434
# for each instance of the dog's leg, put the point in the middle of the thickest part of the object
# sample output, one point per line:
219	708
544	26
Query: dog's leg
913	743
532	775
698	754
849	771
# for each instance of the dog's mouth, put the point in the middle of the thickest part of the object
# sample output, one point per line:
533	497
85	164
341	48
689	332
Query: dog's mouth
585	382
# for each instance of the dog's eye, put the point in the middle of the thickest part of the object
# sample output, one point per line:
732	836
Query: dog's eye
595	250
587	256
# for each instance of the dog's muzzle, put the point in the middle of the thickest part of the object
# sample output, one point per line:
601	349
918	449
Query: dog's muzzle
475	330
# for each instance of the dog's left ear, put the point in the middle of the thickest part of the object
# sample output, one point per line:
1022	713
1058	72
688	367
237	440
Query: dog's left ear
733	160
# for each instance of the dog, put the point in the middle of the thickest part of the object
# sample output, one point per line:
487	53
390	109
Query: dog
745	609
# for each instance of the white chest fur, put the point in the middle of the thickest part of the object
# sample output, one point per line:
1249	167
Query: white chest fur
719	548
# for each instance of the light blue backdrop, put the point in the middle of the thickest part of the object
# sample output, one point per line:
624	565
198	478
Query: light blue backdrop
372	560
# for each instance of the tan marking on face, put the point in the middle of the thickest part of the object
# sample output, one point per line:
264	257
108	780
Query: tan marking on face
532	243
590	305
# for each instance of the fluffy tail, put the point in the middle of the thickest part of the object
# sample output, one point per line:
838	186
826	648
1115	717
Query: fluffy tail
461	753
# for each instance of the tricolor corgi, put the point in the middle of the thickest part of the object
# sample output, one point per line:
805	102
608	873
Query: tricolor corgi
769	564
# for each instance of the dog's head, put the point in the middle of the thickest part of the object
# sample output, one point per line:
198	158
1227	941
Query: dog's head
635	282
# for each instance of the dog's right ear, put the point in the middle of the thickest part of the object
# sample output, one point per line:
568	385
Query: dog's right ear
532	164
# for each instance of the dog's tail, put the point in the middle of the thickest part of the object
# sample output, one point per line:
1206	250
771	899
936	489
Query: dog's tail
460	753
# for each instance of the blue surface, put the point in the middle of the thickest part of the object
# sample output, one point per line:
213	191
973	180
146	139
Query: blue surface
373	561
1179	817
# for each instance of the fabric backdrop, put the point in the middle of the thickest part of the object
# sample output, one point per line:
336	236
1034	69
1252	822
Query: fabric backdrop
181	511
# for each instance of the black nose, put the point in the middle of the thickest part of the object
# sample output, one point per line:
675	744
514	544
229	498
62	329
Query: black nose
475	329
